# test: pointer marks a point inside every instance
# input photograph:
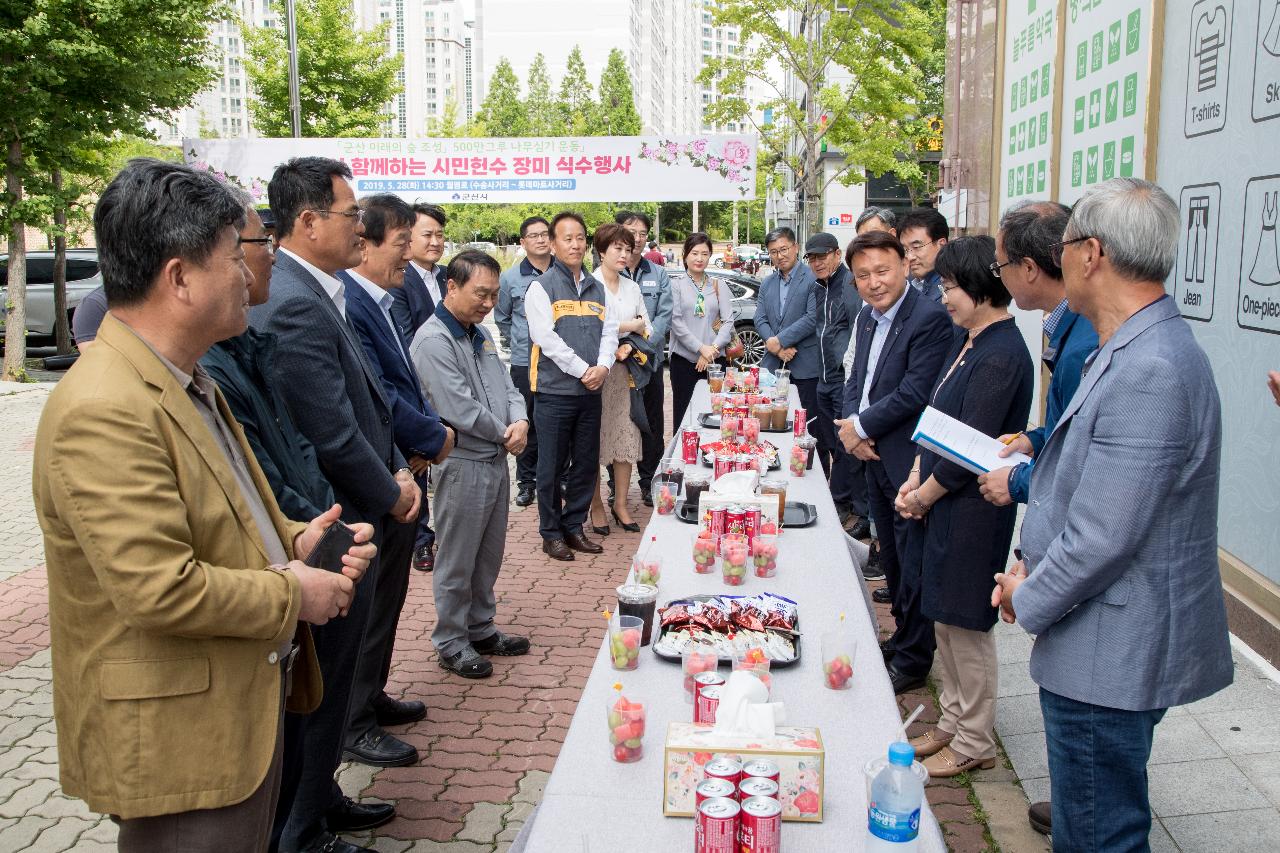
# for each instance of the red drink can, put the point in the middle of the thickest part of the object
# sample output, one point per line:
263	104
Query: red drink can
760	826
689	446
729	769
762	768
723	464
735	520
757	786
709	789
704	707
715	827
753	523
800	423
755	375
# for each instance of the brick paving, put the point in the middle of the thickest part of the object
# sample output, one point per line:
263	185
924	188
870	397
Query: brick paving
487	746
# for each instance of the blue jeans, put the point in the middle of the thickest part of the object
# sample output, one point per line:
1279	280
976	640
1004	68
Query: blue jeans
1098	774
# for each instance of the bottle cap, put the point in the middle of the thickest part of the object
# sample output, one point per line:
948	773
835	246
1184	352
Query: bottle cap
901	753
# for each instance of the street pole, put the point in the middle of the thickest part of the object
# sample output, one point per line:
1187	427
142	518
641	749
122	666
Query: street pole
295	103
695	216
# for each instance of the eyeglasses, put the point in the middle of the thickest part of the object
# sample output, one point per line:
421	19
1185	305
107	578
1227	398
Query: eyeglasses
357	214
996	266
541	235
782	250
947	288
916	247
266	242
1055	250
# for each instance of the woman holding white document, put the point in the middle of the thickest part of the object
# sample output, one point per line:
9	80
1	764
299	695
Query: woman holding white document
986	383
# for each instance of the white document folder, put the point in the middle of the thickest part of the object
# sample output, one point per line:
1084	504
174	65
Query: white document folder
961	443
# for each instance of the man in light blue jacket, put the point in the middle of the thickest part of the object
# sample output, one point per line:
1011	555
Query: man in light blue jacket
1121	582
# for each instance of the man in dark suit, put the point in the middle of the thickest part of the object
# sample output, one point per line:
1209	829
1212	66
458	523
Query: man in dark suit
903	337
337	401
412	304
423	439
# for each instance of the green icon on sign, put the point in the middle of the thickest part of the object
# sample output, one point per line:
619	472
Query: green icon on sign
1108	161
1011	182
1131	94
1035	84
1095	108
1022	136
1095	63
1040	177
1044	81
1113	43
1044	128
1020	179
1113	101
1082	60
1126	157
1077	172
1013	140
1134	34
1091	166
1079	123
1022	93
1013	97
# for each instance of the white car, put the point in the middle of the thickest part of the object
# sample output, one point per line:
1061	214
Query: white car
82	277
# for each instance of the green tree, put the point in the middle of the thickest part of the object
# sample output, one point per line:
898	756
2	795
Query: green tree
503	113
73	72
921	130
616	112
345	77
540	106
576	103
873	48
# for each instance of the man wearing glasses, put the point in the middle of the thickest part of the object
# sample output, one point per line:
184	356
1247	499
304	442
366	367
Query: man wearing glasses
924	232
338	403
535	239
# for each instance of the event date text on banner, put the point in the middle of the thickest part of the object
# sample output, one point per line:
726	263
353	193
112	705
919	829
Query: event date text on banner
709	167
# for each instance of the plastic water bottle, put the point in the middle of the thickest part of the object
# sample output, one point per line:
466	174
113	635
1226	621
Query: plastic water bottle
893	815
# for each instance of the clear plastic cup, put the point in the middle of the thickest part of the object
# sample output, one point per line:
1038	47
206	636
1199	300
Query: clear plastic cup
624	641
704	553
647	569
715	380
764	555
837	647
734	554
664	496
626	728
779	488
696	658
729	428
750	430
639	600
717	400
754	661
797	459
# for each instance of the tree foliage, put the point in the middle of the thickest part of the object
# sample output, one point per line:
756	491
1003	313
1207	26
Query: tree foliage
576	104
73	74
857	78
540	106
345	77
503	113
616	111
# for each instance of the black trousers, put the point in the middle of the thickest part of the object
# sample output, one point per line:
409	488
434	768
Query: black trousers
684	376
819	427
374	667
423	534
316	739
568	429
848	479
652	445
527	461
901	550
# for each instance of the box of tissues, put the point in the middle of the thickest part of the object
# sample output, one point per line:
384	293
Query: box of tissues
797	750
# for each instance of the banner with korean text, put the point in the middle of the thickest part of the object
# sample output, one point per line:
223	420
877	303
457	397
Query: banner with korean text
720	167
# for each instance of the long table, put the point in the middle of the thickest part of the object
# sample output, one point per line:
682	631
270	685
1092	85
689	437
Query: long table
593	804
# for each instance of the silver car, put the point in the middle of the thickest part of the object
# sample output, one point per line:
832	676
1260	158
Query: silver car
82	277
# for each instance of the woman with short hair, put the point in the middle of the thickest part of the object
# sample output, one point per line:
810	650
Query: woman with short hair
701	322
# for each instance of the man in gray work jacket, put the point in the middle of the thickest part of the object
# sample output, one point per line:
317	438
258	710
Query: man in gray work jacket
468	385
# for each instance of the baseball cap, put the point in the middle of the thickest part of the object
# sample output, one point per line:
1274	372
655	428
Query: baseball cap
820	244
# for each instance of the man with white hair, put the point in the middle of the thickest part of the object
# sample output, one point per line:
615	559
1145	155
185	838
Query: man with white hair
1125	601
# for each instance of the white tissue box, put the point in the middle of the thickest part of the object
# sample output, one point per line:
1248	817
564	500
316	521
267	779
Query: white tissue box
797	750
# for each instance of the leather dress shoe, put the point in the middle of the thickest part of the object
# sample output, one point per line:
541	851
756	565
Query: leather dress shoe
843	514
903	683
327	842
872	571
467	663
556	549
351	816
578	542
1040	816
860	530
886	652
524	496
379	749
646	496
502	645
881	595
397	712
424	558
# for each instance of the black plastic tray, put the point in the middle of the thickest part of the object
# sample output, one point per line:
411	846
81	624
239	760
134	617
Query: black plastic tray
795	514
676	658
710	420
775	466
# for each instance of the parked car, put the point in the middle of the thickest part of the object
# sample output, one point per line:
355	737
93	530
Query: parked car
483	245
82	277
744	289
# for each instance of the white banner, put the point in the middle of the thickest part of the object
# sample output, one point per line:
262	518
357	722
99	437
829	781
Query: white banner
509	170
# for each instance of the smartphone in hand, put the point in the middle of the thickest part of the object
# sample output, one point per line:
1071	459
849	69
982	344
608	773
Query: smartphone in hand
336	541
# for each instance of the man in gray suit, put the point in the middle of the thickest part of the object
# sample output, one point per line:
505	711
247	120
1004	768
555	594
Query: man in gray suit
1126	604
339	404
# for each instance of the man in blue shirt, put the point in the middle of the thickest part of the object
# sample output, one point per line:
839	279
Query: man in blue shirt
535	238
924	232
1025	264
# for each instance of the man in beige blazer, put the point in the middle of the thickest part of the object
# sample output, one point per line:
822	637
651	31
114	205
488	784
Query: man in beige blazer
175	592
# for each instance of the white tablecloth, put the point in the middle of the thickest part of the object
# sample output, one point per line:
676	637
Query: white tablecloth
593	804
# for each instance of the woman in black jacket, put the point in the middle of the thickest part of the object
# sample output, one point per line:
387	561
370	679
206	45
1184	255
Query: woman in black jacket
986	383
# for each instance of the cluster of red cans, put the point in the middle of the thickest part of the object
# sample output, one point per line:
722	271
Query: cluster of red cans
737	808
